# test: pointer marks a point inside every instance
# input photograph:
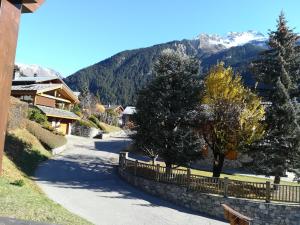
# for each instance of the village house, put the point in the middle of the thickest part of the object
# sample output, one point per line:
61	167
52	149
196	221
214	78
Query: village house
118	109
52	96
128	114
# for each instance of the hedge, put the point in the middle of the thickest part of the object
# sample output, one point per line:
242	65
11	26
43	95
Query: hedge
49	139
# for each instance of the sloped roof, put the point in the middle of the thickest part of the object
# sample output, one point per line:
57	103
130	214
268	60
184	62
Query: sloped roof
58	113
36	87
113	107
129	110
34	79
29	6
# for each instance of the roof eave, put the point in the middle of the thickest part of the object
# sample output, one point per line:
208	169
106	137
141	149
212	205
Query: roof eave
30	6
62	117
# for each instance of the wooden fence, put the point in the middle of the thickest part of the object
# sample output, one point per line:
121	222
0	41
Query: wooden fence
221	186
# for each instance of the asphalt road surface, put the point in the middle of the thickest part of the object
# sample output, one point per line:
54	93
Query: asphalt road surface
84	180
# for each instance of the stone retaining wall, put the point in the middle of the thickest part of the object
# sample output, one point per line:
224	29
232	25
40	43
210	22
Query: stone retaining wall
262	213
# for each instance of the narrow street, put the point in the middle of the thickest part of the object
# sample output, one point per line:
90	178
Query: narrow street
84	180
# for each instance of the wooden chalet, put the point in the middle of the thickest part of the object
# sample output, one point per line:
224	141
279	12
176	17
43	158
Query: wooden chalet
10	14
52	96
115	108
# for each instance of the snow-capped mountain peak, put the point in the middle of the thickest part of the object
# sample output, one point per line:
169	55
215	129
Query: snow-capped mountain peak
232	39
36	70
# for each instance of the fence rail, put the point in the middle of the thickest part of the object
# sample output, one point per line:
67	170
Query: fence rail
221	186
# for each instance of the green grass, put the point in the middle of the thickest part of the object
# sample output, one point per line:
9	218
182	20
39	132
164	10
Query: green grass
239	177
233	176
20	197
25	150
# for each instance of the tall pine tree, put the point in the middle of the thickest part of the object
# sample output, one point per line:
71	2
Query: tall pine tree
161	120
278	71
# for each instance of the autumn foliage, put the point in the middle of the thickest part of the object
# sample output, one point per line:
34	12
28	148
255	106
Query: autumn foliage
232	115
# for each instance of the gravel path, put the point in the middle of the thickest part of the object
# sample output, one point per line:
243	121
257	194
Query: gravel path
84	180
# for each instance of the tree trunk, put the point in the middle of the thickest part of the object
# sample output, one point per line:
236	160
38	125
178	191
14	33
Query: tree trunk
218	164
168	168
277	179
154	160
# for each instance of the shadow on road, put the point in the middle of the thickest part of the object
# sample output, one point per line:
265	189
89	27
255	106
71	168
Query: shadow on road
82	171
112	146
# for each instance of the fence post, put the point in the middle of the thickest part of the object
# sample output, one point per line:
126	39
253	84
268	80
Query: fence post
123	156
135	167
268	191
226	182
157	171
188	175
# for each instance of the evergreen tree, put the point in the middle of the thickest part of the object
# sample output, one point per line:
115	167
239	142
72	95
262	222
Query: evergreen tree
278	70
161	120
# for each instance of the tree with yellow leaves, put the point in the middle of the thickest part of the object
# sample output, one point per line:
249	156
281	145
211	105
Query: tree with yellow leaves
231	116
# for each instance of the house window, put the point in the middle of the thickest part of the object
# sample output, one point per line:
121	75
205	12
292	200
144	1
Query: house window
27	98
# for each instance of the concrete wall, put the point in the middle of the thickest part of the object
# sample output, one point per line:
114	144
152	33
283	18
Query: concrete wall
262	213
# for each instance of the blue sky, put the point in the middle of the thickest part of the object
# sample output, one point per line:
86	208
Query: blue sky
67	35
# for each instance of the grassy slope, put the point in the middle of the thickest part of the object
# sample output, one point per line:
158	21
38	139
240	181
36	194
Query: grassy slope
108	128
28	201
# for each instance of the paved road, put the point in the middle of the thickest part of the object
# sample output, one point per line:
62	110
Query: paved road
84	180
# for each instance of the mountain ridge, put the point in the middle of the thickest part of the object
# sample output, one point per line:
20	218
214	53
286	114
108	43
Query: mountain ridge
117	79
30	70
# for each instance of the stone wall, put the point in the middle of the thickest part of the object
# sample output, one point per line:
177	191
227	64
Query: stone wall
262	213
17	114
83	131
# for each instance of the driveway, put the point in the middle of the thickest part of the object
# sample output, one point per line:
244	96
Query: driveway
84	180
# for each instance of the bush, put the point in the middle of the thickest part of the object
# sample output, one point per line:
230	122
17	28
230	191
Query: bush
108	128
19	183
85	123
95	121
34	114
46	137
52	129
77	110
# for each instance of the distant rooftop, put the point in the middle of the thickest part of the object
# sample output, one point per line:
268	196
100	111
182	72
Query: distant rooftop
129	110
34	79
59	113
36	87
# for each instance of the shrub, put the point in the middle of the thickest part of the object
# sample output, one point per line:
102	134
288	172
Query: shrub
19	183
34	114
85	123
95	121
52	129
108	128
49	139
77	110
